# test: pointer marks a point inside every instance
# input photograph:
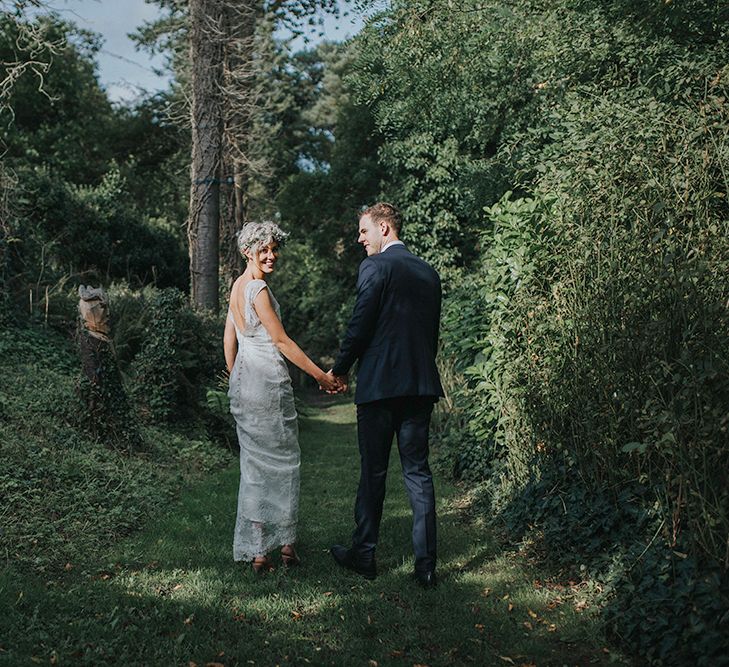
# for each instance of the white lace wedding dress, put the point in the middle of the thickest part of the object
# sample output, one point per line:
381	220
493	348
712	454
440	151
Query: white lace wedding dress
262	402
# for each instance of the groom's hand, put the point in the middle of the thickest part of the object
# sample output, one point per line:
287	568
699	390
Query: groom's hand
328	384
341	380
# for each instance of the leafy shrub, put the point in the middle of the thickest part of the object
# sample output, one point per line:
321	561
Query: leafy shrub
672	607
301	286
178	356
478	325
157	367
97	230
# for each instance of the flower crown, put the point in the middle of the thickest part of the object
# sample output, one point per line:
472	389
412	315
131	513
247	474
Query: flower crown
253	235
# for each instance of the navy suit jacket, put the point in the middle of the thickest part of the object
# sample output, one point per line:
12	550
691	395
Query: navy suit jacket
393	331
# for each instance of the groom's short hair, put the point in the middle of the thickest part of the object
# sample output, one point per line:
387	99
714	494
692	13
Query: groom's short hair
384	212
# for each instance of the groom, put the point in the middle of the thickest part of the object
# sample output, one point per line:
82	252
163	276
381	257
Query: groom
393	333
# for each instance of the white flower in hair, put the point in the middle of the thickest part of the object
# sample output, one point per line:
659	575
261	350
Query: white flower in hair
255	235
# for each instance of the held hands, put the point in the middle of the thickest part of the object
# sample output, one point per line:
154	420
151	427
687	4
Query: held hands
333	384
342	381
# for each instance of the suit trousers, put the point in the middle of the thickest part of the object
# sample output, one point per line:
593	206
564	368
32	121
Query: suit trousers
408	418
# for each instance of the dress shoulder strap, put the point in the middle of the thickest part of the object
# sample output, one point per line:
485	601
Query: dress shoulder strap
253	289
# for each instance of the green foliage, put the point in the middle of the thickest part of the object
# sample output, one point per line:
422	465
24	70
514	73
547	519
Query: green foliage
478	326
151	151
94	231
217	401
692	598
58	118
564	165
178	356
157	367
304	282
441	99
319	203
622	335
106	414
584	339
662	600
167	354
89	192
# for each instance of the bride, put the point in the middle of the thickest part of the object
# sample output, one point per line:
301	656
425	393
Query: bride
262	402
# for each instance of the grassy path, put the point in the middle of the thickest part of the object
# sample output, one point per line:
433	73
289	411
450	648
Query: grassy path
173	596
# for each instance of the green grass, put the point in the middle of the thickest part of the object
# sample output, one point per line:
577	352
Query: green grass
65	496
172	595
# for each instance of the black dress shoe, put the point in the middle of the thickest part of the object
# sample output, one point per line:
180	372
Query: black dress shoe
347	558
426	579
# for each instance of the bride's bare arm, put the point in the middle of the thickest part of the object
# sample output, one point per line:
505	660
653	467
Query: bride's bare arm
230	344
290	350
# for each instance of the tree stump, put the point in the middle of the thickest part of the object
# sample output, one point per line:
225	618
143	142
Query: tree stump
108	415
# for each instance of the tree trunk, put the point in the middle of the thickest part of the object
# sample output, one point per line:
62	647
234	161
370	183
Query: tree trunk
206	53
231	221
240	98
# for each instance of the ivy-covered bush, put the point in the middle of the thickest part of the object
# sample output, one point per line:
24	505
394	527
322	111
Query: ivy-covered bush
65	496
179	355
106	413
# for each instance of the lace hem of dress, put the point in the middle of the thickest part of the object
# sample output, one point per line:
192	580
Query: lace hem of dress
266	538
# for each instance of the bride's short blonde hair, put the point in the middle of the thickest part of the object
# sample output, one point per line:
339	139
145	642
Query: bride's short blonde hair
255	235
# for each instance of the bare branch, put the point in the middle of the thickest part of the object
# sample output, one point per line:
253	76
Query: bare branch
33	47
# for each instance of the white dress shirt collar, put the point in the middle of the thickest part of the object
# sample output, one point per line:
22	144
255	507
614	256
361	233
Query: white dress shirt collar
389	244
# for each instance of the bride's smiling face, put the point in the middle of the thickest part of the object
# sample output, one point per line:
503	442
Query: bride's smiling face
265	257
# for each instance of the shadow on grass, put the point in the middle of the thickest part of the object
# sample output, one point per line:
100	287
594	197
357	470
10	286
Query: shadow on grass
170	616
